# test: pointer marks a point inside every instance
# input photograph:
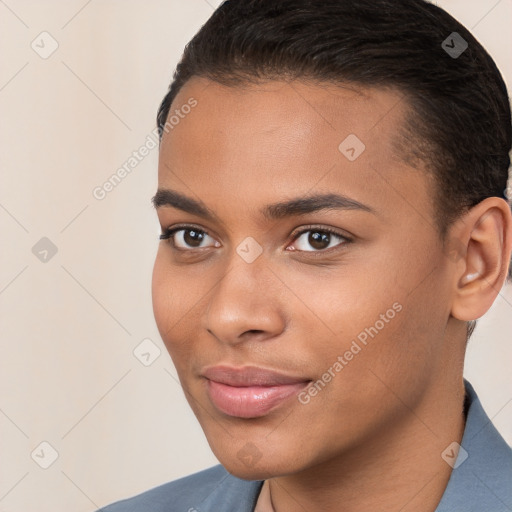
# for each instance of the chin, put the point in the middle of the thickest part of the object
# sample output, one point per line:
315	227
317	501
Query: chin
257	466
245	472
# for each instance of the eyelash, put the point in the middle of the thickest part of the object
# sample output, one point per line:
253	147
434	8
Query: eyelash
170	232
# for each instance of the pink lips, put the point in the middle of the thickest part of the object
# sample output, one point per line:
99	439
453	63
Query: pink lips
249	392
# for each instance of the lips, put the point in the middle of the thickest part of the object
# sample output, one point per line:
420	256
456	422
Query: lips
250	392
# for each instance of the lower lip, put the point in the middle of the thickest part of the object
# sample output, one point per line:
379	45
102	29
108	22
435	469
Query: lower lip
250	401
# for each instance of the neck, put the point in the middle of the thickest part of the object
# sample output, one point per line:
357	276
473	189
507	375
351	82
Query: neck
401	470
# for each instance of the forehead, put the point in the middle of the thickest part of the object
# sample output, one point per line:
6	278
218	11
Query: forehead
292	111
262	141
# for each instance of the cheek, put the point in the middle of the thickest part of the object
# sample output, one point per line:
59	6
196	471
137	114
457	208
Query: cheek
337	306
376	332
161	297
173	302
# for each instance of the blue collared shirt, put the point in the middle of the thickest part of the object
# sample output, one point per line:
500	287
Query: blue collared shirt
481	480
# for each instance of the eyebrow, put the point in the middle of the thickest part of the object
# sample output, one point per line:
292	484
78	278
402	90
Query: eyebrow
292	207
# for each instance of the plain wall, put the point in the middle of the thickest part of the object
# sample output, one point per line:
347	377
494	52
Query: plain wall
69	325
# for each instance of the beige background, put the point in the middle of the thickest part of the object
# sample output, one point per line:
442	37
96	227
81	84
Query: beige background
69	325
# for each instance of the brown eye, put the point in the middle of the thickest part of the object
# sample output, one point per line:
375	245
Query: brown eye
318	240
192	237
188	238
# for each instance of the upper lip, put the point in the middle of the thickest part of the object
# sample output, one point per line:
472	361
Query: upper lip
246	376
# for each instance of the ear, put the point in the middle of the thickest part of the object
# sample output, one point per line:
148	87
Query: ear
483	237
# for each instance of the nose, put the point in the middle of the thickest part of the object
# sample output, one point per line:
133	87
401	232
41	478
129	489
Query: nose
245	304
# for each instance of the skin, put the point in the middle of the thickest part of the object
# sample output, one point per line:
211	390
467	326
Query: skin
373	436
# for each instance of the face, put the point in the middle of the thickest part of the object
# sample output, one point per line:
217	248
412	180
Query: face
303	279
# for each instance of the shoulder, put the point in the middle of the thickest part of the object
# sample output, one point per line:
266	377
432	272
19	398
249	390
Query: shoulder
481	474
194	493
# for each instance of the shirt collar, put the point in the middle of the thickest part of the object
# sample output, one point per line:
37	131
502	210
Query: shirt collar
481	479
